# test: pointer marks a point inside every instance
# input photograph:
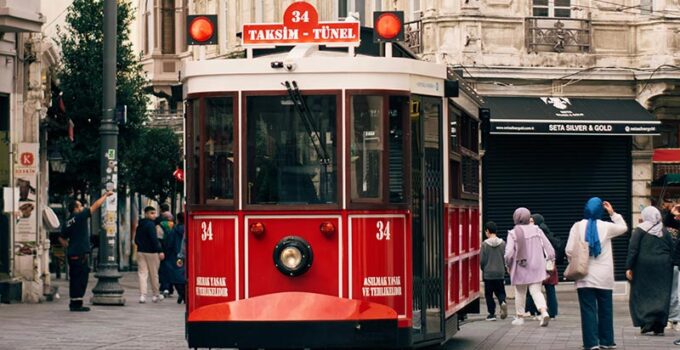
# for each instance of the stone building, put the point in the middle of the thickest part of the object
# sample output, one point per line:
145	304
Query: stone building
24	245
575	89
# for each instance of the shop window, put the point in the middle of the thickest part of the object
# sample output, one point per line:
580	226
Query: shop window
291	153
552	8
168	27
366	147
218	149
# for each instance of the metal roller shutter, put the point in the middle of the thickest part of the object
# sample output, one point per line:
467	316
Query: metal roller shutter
555	176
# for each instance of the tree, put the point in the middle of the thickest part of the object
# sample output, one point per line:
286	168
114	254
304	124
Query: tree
81	81
150	168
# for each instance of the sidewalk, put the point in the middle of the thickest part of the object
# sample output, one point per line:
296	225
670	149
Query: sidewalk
562	333
134	326
161	326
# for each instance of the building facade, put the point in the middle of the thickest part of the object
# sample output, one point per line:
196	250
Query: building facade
24	243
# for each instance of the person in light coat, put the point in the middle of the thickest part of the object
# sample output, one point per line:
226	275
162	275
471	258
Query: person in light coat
595	290
525	255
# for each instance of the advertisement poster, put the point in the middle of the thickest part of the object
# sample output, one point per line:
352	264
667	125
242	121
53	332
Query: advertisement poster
26	179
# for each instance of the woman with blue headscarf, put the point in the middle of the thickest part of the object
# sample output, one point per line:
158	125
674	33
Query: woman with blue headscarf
650	272
595	290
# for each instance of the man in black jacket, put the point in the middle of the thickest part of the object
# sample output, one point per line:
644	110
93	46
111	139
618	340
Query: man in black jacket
75	235
149	255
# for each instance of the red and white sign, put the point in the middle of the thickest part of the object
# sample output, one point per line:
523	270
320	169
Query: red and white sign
301	25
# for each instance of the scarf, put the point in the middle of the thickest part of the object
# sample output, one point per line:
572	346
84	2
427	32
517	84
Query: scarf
592	213
521	217
540	222
652	221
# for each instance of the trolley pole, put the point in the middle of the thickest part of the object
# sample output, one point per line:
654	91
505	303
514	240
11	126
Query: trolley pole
108	291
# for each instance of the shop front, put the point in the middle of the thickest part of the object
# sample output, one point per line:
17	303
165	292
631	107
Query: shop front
551	154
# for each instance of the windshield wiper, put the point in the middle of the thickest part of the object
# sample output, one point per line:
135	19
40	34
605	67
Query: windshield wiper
306	116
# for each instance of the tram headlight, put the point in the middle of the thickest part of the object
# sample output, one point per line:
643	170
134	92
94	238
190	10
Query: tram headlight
293	256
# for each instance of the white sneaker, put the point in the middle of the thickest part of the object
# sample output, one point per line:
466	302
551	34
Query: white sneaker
142	299
156	298
544	319
518	321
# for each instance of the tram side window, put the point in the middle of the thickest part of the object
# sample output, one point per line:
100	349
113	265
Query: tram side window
291	151
218	149
194	195
367	146
399	108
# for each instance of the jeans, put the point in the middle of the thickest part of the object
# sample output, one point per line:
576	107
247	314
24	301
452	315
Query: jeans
551	297
674	310
492	287
597	318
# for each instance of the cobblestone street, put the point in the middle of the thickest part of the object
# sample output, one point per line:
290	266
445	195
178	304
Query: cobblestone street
160	326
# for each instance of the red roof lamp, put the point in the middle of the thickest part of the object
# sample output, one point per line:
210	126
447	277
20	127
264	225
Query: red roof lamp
388	26
201	30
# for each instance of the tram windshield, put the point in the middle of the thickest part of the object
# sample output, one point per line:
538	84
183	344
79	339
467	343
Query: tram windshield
291	149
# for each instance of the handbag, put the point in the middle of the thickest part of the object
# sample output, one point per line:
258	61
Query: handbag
549	264
578	262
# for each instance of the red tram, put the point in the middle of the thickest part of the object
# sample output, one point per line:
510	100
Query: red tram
332	199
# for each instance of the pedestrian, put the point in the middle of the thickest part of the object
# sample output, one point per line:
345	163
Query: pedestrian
493	271
526	254
173	248
650	272
149	255
674	308
75	236
164	225
595	289
551	282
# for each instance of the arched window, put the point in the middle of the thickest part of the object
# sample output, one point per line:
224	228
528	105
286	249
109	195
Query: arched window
168	27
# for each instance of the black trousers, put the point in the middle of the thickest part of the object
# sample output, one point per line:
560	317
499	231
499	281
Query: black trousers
79	271
492	287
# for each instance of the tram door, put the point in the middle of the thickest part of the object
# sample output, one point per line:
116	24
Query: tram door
427	196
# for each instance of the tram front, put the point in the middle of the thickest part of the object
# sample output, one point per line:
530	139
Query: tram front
306	190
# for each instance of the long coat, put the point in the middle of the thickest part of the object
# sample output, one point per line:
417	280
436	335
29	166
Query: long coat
649	257
173	246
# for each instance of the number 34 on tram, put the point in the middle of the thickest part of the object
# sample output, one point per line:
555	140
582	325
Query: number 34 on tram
326	197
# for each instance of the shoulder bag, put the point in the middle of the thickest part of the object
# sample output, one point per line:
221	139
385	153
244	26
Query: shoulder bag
578	263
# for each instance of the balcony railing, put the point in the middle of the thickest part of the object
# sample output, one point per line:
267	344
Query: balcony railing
413	36
166	119
558	34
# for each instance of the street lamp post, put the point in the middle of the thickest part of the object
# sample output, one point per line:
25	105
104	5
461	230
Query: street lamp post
108	291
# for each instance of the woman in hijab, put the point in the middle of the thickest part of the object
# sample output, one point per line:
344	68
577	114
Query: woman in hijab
551	281
595	290
525	255
650	272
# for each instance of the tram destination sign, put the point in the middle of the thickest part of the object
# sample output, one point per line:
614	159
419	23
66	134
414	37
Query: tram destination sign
301	26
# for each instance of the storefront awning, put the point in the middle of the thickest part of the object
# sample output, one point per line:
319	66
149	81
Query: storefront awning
666	155
569	116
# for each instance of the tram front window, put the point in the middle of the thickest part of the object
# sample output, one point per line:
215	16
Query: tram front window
291	150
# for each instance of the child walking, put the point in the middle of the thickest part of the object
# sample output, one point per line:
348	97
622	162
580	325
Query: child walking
493	271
